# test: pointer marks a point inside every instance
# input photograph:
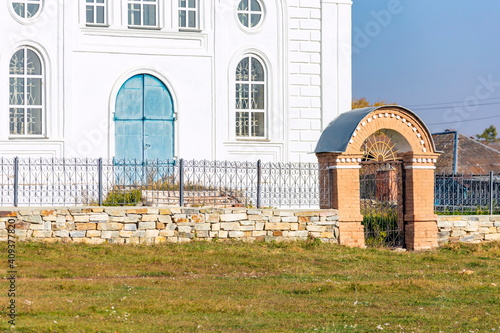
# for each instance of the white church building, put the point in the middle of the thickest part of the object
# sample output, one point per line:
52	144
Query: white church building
159	79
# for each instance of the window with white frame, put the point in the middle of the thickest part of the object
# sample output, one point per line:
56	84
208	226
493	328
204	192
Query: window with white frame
250	101
143	13
188	14
26	8
26	93
96	11
249	13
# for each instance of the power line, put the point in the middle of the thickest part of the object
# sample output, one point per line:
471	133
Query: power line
450	107
473	119
444	103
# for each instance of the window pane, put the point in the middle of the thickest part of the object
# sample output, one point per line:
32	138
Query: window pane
192	3
17	63
100	1
258	124
34	121
150	15
182	3
257	70
242	70
32	9
33	65
100	15
242	97
34	92
134	14
19	8
182	18
243	5
255	6
16	91
243	19
90	14
255	19
242	123
192	19
257	96
16	120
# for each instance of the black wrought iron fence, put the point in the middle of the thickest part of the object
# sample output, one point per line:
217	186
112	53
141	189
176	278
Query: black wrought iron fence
70	181
43	182
381	195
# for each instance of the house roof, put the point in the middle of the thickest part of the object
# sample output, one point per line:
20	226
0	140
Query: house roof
473	157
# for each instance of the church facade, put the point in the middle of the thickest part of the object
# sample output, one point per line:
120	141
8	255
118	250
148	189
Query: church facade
160	79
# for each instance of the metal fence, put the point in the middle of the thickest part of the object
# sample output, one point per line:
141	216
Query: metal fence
464	193
48	182
71	181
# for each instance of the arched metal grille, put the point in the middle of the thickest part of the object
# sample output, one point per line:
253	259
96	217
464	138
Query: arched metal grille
379	147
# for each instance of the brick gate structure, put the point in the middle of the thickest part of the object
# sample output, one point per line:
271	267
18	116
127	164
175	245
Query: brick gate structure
340	152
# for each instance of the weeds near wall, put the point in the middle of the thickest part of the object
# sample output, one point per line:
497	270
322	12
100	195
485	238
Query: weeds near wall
123	198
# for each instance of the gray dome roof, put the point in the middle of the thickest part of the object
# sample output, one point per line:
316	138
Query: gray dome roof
337	134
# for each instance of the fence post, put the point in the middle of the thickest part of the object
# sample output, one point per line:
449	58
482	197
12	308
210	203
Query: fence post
259	175
181	182
16	181
491	192
99	179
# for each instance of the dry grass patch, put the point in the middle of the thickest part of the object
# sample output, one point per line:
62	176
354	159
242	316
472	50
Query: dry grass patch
260	287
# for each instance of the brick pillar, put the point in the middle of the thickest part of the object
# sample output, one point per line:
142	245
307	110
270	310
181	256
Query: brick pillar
341	172
421	232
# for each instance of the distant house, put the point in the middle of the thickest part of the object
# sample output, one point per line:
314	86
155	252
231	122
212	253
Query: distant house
464	155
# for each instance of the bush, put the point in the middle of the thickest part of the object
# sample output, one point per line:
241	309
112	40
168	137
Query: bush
123	198
381	227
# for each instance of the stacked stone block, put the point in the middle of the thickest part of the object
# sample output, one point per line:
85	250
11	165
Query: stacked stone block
468	228
126	225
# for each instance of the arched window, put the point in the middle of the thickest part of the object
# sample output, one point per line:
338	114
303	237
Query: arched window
26	8
26	93
250	102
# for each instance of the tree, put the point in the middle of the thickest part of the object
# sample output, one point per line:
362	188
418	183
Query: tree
363	103
489	135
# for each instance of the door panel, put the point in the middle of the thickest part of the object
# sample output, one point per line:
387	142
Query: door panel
144	128
129	102
155	142
157	100
129	140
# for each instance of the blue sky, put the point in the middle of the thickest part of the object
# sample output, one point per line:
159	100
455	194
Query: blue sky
440	58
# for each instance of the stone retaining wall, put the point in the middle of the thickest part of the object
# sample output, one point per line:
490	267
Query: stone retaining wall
96	225
137	225
468	228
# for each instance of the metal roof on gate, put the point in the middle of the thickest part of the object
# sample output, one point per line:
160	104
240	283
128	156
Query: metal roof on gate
337	134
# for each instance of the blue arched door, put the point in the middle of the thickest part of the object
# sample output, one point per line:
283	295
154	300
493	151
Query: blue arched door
144	121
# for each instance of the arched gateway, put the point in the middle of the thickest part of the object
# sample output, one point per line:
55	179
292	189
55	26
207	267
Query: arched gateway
379	133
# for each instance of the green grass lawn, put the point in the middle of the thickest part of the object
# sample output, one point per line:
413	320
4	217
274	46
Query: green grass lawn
259	287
